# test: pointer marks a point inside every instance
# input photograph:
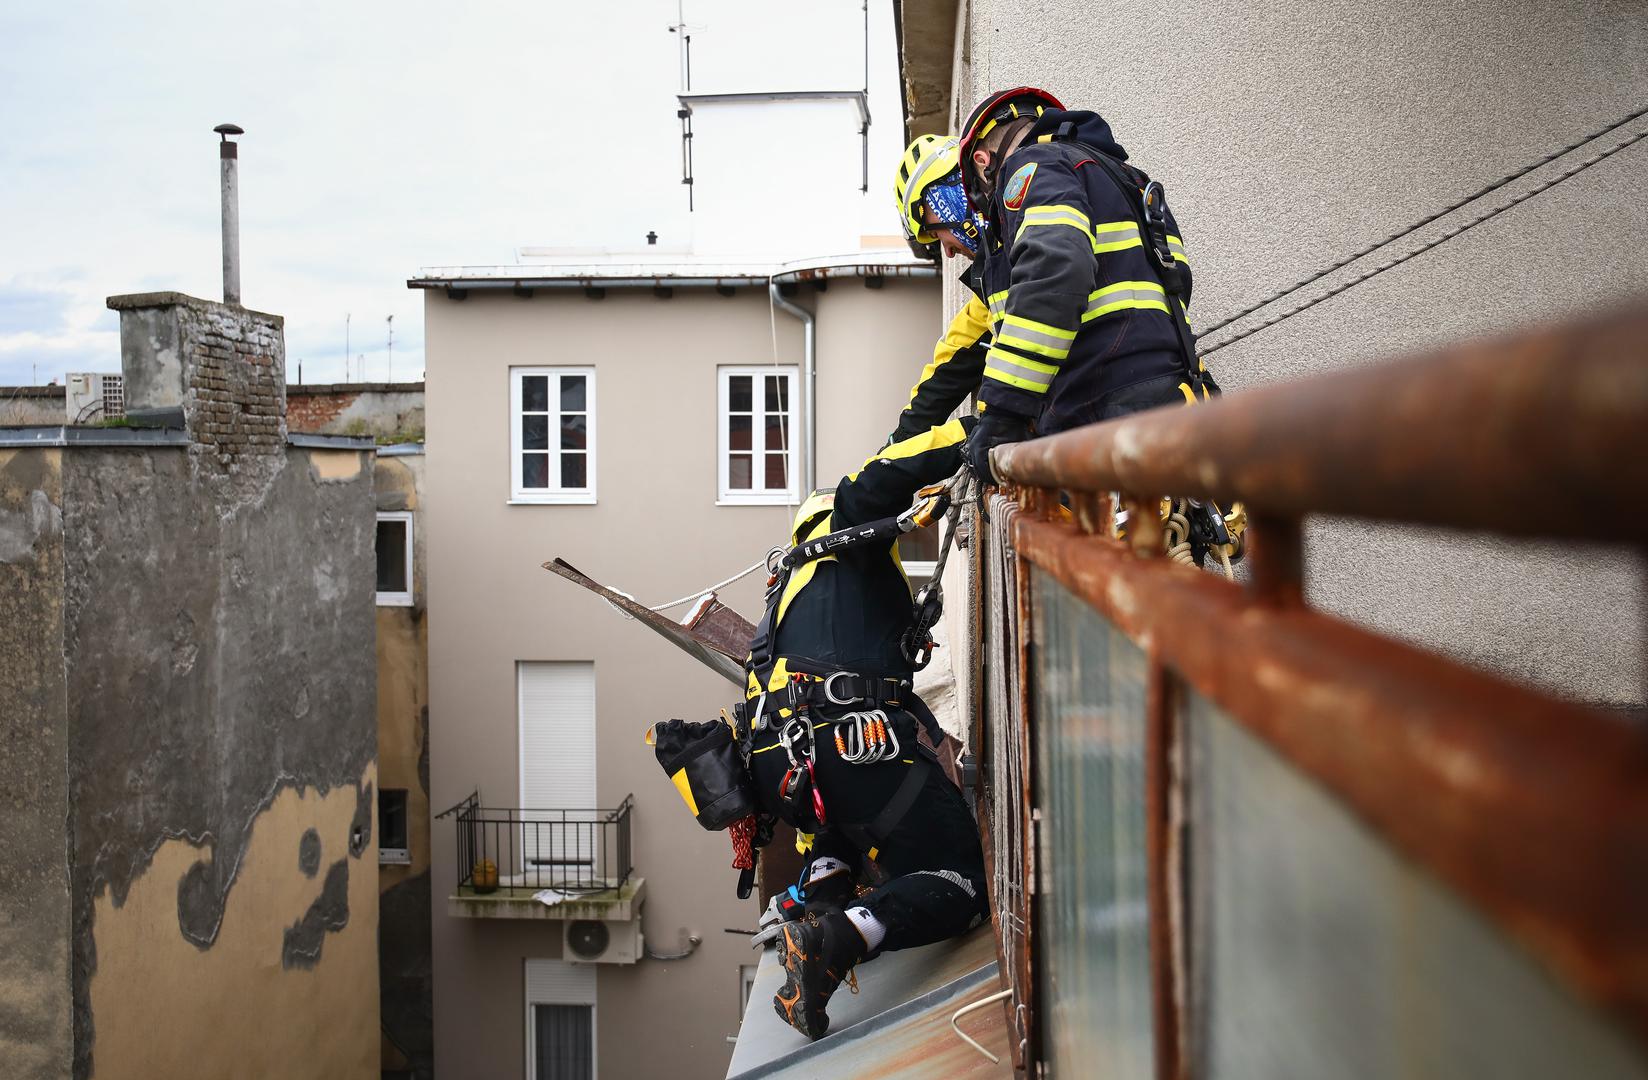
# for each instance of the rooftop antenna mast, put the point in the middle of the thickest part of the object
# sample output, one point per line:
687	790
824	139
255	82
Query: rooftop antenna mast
346	353
391	322
684	113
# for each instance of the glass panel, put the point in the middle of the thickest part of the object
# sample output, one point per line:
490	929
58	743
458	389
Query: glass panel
534	393
534	470
392	818
778	393
392	557
739	472
572	393
1089	724
919	545
777	479
574	470
563	1038
535	433
572	433
738	432
1323	952
738	393
778	432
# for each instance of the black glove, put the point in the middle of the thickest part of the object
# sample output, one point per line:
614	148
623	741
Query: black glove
995	427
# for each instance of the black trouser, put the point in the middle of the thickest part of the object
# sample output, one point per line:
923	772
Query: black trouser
931	855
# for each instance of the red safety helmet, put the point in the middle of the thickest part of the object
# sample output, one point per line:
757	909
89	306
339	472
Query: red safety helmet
1022	101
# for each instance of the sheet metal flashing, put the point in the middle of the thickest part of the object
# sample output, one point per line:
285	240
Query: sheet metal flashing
897	1025
68	435
858	97
314	441
413	449
650	274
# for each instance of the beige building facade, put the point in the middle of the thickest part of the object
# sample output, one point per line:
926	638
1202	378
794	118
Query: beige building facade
1474	167
674	399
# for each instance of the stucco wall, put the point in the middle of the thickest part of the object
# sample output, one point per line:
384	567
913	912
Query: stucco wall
36	1029
219	650
1290	137
655	532
382	410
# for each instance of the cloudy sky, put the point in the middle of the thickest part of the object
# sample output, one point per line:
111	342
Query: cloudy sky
379	138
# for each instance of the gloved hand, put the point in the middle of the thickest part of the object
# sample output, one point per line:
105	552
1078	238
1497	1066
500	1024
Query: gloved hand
995	427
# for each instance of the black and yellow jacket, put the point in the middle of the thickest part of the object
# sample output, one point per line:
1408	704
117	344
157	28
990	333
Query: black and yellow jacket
847	612
1076	308
956	367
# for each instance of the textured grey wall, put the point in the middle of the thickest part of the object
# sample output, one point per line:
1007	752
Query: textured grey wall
35	1028
1291	136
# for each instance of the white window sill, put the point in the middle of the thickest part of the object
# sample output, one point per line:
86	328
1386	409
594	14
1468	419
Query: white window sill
920	568
394	599
776	499
553	500
394	857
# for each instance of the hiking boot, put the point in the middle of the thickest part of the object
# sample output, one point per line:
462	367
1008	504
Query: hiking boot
817	953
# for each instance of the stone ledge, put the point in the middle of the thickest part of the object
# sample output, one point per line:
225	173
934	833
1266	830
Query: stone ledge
138	301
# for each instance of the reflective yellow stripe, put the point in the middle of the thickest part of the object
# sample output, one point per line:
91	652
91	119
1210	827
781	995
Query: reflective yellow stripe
1144	295
1016	371
1039	338
1115	236
971	323
1057	215
1176	246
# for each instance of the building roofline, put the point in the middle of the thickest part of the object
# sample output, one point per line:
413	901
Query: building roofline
69	435
678	274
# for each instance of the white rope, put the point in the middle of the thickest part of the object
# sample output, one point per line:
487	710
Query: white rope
757	565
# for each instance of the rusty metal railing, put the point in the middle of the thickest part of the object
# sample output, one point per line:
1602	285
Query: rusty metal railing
1532	810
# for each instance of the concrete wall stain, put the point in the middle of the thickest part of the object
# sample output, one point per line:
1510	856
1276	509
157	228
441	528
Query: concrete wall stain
300	948
309	853
36	1032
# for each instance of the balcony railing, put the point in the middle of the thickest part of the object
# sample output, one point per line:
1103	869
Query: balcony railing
519	852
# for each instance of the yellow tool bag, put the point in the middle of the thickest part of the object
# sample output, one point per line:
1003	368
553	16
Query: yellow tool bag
703	761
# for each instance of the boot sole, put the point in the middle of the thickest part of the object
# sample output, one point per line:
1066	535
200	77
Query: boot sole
790	1003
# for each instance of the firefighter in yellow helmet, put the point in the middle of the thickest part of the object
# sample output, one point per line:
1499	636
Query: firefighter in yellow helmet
932	207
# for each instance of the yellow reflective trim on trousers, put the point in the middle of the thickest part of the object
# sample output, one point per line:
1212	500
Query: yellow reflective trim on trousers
1021	333
1115	236
1141	295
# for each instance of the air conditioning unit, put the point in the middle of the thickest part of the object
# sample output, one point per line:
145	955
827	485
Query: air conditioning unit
601	941
92	395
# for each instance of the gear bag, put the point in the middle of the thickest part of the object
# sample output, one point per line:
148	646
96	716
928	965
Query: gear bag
704	763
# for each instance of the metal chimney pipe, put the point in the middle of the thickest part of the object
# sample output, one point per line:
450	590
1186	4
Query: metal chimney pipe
229	168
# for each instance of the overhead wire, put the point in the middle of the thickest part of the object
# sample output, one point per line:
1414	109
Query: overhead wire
1420	224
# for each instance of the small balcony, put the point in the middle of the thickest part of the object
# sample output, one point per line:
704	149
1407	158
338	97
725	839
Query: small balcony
516	863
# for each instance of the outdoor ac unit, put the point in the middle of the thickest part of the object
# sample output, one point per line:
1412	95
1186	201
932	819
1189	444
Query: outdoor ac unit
93	395
601	941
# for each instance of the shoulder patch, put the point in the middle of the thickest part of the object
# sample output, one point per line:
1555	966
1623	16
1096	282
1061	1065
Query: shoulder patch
1012	196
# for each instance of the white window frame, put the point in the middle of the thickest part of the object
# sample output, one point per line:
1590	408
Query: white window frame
531	999
555	495
399	599
727	495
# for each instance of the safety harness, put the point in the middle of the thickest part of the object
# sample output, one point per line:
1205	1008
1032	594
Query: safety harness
1149	205
852	703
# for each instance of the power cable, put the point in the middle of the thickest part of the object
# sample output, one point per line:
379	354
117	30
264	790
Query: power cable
1416	226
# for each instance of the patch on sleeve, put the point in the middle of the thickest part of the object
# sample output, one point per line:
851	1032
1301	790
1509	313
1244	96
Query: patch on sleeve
1012	196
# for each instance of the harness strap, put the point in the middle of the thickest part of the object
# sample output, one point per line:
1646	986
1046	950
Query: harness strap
875	833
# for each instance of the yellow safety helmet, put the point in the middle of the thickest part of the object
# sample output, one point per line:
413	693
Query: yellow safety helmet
930	158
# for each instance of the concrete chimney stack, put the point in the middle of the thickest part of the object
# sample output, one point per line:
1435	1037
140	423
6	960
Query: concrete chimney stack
228	160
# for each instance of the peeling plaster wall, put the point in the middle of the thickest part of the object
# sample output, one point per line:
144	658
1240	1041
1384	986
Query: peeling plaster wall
166	1008
382	410
219	644
36	1031
405	970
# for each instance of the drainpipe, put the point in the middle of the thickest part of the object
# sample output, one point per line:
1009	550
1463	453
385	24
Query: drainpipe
809	378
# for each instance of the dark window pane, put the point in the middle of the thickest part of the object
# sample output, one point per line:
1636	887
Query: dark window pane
564	1042
392	556
738	432
778	433
738	472
572	433
777	478
534	470
534	393
778	393
534	433
572	393
392	818
738	393
574	471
